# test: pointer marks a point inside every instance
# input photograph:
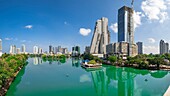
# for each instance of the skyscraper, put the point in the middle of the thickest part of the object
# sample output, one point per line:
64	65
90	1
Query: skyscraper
13	49
75	51
140	47
126	28
101	37
40	51
87	49
17	50
50	49
59	49
164	47
35	49
125	25
23	50
65	50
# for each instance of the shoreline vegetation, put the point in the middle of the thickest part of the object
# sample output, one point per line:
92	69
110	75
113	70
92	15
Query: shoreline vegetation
10	65
143	61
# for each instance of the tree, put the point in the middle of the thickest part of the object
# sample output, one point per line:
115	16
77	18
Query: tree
88	56
92	62
112	59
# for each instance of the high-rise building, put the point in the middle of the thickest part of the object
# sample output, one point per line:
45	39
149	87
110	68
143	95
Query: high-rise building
17	50
65	50
55	50
59	49
51	49
101	37
140	47
35	49
110	48
126	28
40	51
125	25
164	47
76	51
121	49
87	49
23	49
13	49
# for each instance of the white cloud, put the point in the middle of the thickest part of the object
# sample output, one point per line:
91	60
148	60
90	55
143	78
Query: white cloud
155	9
8	39
85	78
114	27
137	19
151	40
84	31
28	27
151	49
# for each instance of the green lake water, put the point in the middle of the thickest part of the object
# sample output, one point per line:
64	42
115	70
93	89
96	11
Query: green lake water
68	78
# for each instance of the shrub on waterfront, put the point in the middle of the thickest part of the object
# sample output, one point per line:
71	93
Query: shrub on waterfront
112	59
9	65
92	62
97	59
88	57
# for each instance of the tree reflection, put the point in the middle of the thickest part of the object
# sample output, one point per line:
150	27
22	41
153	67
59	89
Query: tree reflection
124	78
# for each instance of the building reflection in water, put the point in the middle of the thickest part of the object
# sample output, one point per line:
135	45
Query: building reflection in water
75	62
123	76
37	60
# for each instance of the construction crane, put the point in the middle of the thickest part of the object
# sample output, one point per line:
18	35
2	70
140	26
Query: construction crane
132	3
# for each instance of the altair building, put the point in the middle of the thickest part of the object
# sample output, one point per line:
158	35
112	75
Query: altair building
101	37
125	45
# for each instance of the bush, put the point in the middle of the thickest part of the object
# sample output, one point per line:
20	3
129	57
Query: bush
88	56
92	62
112	59
10	64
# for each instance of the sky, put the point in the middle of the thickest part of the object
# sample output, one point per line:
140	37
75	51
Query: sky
68	23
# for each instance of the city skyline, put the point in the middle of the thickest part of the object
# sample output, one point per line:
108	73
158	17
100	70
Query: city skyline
57	23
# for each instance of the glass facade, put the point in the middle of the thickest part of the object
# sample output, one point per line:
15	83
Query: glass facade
125	25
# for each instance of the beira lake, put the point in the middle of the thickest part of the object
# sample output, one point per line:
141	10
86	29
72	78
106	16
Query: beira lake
68	78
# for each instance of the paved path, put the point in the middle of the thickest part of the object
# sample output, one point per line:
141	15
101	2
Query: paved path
167	93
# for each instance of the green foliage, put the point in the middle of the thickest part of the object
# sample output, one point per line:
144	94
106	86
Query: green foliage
92	62
143	61
88	56
97	59
10	64
54	57
112	59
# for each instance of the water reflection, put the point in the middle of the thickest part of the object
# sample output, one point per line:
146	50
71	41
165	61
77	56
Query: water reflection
50	61
75	62
124	78
37	60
